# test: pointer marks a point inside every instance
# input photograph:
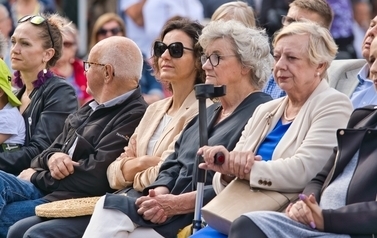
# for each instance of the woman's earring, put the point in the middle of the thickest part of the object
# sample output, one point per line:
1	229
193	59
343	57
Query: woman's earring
44	71
318	74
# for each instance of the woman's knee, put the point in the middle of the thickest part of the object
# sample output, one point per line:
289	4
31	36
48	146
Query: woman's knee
243	226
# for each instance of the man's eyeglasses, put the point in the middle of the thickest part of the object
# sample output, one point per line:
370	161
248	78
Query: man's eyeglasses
286	20
87	65
113	31
37	20
175	49
213	58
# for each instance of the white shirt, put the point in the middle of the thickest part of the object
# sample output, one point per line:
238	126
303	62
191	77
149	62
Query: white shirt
12	123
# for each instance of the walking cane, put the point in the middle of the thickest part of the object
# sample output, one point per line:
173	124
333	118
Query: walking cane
202	92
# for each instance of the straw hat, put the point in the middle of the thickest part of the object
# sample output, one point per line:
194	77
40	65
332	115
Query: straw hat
67	208
5	84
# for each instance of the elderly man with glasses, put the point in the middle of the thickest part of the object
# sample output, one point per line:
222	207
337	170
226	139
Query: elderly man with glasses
75	165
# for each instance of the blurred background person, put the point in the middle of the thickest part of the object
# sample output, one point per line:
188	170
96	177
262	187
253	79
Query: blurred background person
341	28
362	14
210	6
20	8
269	14
352	76
237	10
69	66
108	24
6	26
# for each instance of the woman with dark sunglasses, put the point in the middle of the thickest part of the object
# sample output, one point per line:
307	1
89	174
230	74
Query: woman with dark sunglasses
158	130
46	99
167	204
138	166
108	24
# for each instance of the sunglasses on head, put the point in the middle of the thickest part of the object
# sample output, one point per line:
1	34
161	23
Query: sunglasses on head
175	49
113	31
37	20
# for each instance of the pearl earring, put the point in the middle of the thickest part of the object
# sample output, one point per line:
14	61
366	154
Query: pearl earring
318	74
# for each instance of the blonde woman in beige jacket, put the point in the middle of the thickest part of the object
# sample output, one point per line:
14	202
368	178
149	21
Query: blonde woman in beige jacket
307	118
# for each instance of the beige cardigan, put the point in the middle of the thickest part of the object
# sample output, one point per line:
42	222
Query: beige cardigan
305	147
163	147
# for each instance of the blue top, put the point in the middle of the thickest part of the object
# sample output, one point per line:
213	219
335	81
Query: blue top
273	89
267	147
365	93
208	232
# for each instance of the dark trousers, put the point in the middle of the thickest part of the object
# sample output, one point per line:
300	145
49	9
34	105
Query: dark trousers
244	227
37	227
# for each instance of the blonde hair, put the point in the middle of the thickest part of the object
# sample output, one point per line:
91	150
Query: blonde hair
102	20
238	10
321	46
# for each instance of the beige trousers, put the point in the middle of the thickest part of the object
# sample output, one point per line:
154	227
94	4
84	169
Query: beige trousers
115	224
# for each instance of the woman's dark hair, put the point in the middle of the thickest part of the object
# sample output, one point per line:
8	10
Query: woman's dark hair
193	29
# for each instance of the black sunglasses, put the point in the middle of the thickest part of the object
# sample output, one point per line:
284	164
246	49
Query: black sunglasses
175	49
114	31
37	20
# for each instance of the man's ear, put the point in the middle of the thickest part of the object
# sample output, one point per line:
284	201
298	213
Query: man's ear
109	72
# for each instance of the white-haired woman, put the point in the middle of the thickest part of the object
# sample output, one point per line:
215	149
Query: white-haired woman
288	140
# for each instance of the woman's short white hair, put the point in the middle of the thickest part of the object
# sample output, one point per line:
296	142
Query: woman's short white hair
250	44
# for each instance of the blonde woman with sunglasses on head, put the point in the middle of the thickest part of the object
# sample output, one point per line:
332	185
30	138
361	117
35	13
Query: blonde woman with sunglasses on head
46	100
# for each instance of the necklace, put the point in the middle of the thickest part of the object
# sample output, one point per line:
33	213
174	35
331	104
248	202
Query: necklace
225	114
285	115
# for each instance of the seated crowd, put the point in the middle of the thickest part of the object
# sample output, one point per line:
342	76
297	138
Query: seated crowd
295	118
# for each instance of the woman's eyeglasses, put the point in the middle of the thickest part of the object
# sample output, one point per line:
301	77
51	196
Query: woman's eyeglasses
175	49
87	65
37	20
213	58
113	31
